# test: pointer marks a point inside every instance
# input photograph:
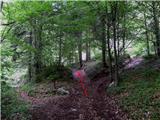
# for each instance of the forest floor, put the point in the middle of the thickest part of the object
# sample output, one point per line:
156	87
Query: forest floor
139	90
99	105
75	106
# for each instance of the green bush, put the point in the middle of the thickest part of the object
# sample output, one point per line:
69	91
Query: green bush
28	87
54	72
149	57
97	56
136	92
11	105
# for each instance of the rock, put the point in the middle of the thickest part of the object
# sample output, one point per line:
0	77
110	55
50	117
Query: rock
62	91
17	116
73	109
93	68
36	106
111	84
80	116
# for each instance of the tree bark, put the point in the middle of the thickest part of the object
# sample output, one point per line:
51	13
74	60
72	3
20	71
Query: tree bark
88	55
124	34
156	27
79	37
30	66
109	51
87	51
38	47
103	22
147	37
118	35
60	49
115	40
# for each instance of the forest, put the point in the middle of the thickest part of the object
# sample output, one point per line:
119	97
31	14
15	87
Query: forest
80	60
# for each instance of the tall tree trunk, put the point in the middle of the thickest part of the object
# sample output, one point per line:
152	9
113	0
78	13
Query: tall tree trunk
156	27
118	35
38	46
103	22
87	51
79	37
30	62
147	37
88	55
154	45
1	5
124	34
115	40
60	49
32	55
109	51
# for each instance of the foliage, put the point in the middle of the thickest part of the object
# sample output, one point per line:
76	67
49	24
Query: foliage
47	36
28	87
138	94
44	32
54	73
11	105
150	57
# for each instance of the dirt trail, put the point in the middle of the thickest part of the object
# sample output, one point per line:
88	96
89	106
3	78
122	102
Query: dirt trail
97	106
36	101
78	107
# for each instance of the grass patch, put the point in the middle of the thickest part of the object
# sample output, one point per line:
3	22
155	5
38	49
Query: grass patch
139	94
28	87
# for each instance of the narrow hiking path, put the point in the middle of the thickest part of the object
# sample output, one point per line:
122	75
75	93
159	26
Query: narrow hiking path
97	106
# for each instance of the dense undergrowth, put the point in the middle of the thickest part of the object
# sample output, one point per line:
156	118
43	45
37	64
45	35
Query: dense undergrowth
139	93
54	73
12	107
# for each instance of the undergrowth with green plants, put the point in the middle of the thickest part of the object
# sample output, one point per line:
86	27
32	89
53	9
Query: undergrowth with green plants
28	87
54	72
12	107
139	94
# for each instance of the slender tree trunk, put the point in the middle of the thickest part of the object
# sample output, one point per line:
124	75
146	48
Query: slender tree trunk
60	49
30	60
87	51
124	34
103	41
38	46
109	51
147	37
32	55
80	49
1	5
118	35
156	27
154	45
115	40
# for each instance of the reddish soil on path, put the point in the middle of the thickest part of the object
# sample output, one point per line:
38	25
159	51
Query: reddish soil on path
97	106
